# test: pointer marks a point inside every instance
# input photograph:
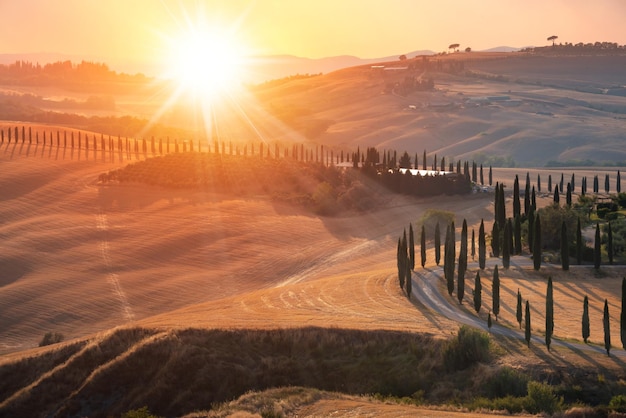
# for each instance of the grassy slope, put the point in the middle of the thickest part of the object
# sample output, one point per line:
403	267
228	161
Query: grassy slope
174	259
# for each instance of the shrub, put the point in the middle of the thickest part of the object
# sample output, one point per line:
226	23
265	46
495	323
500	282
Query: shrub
431	217
618	403
541	398
51	338
469	347
506	381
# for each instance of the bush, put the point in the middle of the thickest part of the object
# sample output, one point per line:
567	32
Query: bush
51	338
430	219
541	398
469	347
618	403
506	381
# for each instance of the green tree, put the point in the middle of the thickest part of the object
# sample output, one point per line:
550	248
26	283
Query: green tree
478	290
423	246
609	244
549	313
412	247
490	176
568	196
409	281
607	328
489	322
482	247
495	240
622	316
473	247
448	268
437	244
518	311
557	197
597	254
527	324
585	319
516	202
619	183
537	243
564	247
462	263
424	161
506	246
606	183
405	160
517	233
579	244
495	292
549	182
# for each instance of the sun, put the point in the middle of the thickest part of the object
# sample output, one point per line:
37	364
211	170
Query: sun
206	62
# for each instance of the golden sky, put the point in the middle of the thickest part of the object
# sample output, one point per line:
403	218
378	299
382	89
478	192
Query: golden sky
117	31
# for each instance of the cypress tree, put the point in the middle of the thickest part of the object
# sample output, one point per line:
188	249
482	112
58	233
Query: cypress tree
557	197
409	282
596	186
423	246
489	323
527	180
462	263
401	267
517	233
549	313
506	246
527	324
550	183
473	247
622	316
474	172
496	203
597	255
411	248
518	311
568	196
415	165
482	178
561	183
606	183
609	244
490	176
437	244
537	244
424	161
516	202
564	247
607	328
539	183
619	182
447	263
533	198
531	228
495	292
527	199
583	186
495	240
482	247
478	290
579	244
502	208
585	319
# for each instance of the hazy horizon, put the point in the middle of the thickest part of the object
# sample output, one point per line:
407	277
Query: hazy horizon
144	33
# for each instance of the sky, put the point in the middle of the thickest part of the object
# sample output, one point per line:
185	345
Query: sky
122	32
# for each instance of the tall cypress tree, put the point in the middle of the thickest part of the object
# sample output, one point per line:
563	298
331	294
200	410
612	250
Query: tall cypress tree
482	246
597	254
583	186
506	246
579	244
482	178
609	244
409	282
401	267
550	183
564	247
462	263
424	161
549	313
568	196
585	319
557	196
607	328
473	246
447	262
618	184
437	244
596	186
495	240
527	199
517	234
572	182
533	198
527	324
518	311
561	183
411	247
423	246
622	316
495	292
496	203
516	202
606	183
490	176
537	243
478	290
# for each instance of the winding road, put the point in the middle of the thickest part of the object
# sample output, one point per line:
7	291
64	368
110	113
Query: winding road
426	290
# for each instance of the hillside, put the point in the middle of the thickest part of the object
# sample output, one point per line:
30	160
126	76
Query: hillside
577	103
